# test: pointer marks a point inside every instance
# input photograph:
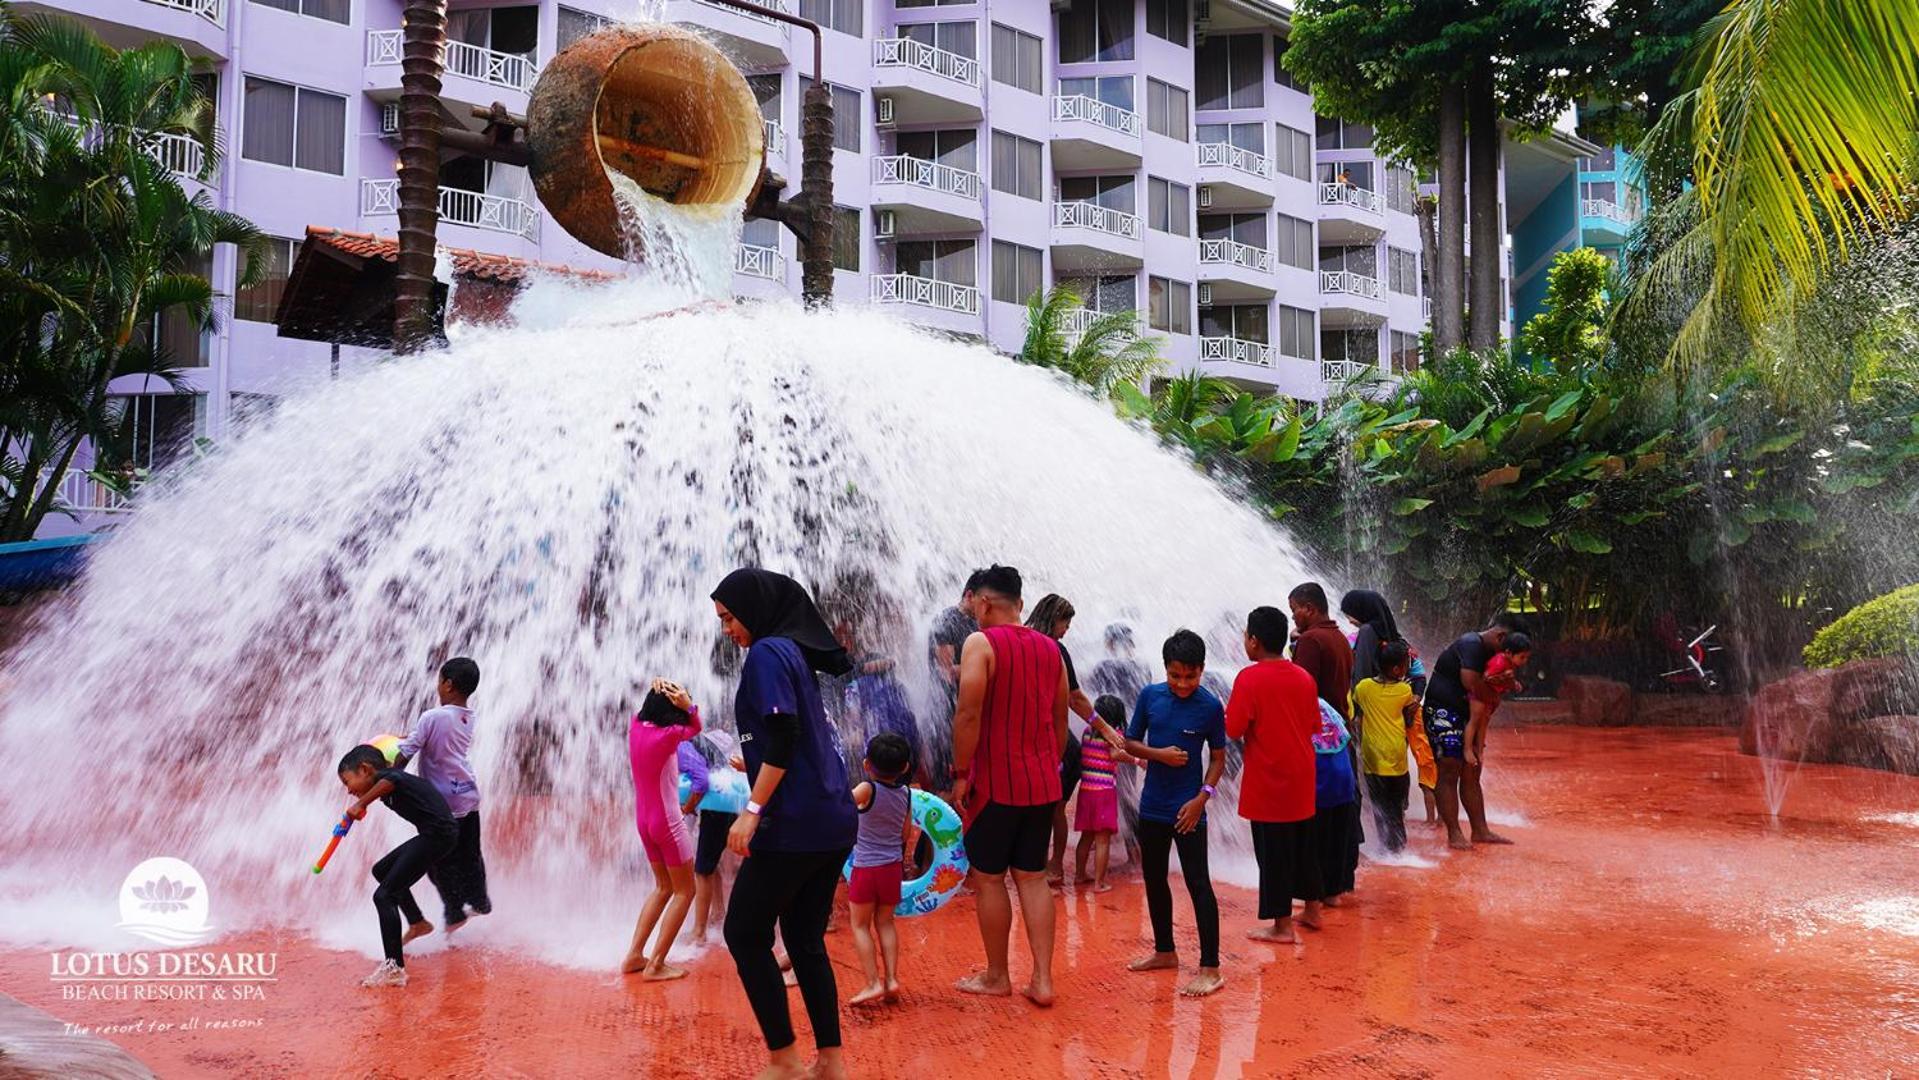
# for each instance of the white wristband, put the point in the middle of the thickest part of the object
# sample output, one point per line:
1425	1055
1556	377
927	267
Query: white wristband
754	808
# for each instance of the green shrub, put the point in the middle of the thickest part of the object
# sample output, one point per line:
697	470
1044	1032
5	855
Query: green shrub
1884	626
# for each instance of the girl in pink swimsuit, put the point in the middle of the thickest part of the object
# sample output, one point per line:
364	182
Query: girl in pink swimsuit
666	720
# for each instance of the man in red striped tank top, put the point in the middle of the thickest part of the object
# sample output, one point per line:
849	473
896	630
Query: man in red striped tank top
1009	731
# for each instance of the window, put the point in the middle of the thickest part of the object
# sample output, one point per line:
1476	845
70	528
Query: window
1017	272
1399	192
1358	345
1402	272
1295	332
575	25
1337	134
846	238
1361	260
1016	165
766	90
287	125
174	331
956	147
1405	354
1105	294
1229	72
1166	110
1294	242
1169	305
1112	192
928	3
1168	19
1604	161
1096	30
1169	207
1604	191
1114	90
1016	59
959	38
260	301
1280	74
1292	152
1357	174
1247	322
155	430
1245	136
847	120
951	261
339	11
846	16
760	233
1248	229
514	30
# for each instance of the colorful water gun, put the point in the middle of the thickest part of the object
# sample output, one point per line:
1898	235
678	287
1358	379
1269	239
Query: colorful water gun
340	830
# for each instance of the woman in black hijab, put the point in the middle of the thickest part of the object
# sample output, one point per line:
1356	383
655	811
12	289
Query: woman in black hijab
1370	612
799	823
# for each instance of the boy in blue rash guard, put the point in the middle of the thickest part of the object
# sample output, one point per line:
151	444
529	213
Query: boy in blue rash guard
1171	723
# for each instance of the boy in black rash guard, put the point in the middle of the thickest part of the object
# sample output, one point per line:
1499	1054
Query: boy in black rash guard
367	776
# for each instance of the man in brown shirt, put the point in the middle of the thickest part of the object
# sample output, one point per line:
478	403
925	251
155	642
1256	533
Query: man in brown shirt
1321	648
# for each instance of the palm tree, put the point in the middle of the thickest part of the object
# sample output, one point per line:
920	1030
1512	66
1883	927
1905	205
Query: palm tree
1802	124
1108	352
97	238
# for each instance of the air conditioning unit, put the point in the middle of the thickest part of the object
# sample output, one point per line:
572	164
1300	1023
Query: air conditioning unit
390	118
1205	294
1205	196
885	226
883	110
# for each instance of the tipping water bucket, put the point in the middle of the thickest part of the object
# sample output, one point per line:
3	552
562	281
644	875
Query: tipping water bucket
654	103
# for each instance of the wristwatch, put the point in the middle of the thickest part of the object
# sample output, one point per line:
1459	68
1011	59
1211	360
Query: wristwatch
754	808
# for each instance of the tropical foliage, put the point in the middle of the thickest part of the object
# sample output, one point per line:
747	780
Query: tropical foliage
98	237
1885	626
1108	352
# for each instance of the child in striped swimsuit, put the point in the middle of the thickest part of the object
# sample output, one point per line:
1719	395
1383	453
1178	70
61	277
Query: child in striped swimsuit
1097	817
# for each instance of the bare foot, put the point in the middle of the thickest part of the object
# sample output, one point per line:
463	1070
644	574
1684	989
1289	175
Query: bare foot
1308	917
785	961
417	930
662	972
789	978
827	1070
1104	886
868	995
634	962
1159	961
1490	837
1039	993
1082	879
1272	934
985	985
782	1071
892	990
1458	842
1206	982
1331	901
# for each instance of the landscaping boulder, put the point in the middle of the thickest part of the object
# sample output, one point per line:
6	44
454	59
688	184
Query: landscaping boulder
1596	702
1851	715
1877	742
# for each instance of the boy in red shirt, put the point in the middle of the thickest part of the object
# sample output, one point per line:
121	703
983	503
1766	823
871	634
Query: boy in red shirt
1274	711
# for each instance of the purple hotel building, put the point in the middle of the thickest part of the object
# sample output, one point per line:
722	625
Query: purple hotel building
1151	152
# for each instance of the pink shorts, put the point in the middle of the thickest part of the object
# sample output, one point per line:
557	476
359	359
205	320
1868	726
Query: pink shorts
876	884
1098	810
668	843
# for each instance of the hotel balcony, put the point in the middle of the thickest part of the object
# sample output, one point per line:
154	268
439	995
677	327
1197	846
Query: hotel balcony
915	83
941	305
1088	236
1235	351
749	40
1236	271
491	213
764	263
927	196
1350	214
198	26
1337	373
474	76
1090	134
1607	218
1350	299
1236	178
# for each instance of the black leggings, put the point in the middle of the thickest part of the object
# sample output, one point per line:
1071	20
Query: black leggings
1388	794
1156	841
461	876
397	872
794	889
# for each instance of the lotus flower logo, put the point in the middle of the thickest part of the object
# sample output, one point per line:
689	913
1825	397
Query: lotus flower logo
164	895
165	900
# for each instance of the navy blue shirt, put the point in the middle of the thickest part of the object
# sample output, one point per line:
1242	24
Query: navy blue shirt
812	810
1162	719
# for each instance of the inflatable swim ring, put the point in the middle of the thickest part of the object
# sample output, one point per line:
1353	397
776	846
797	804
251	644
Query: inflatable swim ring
946	872
386	744
726	791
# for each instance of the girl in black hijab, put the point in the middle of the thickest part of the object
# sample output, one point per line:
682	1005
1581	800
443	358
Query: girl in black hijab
1370	612
799	823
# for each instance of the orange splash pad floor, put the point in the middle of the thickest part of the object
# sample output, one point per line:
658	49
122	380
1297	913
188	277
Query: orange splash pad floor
1653	919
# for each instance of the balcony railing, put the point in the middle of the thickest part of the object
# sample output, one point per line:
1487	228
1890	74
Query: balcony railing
1337	194
1096	112
1234	253
510	70
925	292
1340	372
495	213
1088	215
179	154
777	5
752	260
906	52
81	493
210	10
1606	208
931	175
1237	350
1076	322
1226	155
1347	283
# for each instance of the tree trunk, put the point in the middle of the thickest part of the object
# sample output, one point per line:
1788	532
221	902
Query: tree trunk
1488	300
425	46
1449	284
1426	210
816	187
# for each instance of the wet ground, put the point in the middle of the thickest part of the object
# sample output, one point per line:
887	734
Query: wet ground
1652	920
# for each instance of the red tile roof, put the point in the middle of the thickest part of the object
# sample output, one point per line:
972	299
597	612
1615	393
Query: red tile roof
504	269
